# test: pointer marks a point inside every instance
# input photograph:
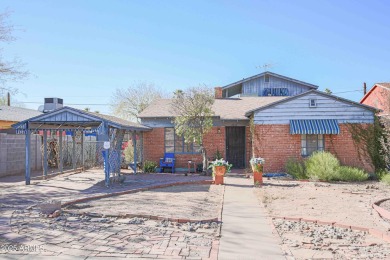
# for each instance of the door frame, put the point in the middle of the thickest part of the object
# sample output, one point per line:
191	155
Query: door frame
226	138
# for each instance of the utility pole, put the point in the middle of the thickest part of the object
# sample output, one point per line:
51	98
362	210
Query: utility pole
364	88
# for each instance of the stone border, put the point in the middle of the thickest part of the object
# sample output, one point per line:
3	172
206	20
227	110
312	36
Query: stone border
384	213
374	232
153	217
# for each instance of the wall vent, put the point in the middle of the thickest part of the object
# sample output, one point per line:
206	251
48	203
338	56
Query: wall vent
312	103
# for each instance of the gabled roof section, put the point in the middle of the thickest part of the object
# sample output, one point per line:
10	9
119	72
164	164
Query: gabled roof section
271	74
248	113
16	114
385	85
68	117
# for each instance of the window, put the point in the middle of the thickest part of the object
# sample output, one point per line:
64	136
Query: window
266	78
312	143
175	143
313	103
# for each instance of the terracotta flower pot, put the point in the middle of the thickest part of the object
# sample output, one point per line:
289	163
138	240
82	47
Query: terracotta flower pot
219	172
257	174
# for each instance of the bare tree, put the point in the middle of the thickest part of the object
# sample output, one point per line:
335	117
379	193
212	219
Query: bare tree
130	102
193	109
9	70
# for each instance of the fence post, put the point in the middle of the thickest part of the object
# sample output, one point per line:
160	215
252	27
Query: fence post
60	155
134	137
28	155
45	153
82	150
74	150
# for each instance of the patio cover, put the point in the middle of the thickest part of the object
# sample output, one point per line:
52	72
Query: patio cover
71	119
314	126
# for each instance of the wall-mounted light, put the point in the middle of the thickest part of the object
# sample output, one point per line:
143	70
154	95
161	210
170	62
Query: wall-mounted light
219	130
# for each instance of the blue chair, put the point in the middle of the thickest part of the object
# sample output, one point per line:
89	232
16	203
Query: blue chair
167	162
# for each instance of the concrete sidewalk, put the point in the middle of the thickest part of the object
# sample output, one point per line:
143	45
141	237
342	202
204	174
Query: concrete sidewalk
246	231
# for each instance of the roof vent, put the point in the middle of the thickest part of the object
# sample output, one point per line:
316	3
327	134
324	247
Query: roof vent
52	104
312	103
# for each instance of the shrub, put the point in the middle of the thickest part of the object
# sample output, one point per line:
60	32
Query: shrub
150	166
386	179
346	173
322	166
296	168
129	154
378	175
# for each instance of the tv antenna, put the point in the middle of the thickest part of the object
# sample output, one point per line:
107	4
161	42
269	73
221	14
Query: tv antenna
266	66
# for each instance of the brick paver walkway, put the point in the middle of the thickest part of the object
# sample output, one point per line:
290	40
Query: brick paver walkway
83	237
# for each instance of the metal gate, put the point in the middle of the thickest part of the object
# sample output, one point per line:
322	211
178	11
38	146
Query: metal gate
235	146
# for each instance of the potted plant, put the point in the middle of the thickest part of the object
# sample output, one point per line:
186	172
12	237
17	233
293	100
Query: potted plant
219	167
257	168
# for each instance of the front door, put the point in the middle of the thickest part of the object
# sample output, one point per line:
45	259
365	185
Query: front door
235	146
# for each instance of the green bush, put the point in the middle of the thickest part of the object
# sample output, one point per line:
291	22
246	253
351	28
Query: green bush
346	173
378	175
129	154
150	166
322	166
296	168
386	179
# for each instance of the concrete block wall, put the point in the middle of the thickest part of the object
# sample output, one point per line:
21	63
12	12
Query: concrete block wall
13	154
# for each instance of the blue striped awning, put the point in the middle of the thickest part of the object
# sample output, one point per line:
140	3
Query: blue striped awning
314	127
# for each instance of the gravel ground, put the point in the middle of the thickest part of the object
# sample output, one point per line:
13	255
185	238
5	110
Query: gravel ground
308	241
386	204
188	201
345	203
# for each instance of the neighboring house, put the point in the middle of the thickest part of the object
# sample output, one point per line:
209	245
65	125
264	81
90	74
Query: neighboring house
12	152
291	120
11	115
378	97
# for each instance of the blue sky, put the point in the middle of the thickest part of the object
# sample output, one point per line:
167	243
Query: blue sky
83	50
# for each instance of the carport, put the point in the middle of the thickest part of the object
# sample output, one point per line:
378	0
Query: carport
109	132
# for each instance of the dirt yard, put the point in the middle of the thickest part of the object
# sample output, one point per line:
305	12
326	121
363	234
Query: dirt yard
339	202
188	201
344	203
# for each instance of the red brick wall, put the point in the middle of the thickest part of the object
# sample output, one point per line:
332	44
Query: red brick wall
379	98
154	146
276	145
153	143
218	92
343	147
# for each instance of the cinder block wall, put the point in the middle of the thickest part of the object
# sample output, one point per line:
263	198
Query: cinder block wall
13	154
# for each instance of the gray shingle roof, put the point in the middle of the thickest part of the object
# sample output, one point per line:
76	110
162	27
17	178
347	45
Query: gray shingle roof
116	120
17	114
226	109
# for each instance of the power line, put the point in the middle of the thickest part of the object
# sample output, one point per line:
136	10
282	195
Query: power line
357	90
71	104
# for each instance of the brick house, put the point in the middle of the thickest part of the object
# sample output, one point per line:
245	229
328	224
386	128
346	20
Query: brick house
378	97
290	118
